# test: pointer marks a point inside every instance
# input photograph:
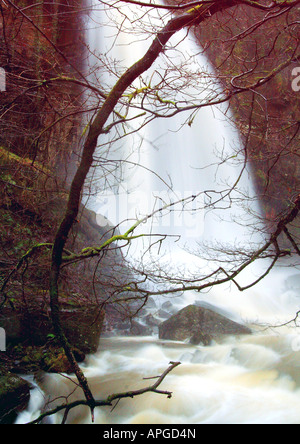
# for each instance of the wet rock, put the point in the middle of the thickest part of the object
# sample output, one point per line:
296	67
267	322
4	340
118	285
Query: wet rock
14	396
200	326
169	307
201	338
82	326
151	303
138	329
57	364
163	314
49	358
152	321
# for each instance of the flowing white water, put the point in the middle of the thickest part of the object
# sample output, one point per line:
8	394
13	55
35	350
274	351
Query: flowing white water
168	160
254	379
250	380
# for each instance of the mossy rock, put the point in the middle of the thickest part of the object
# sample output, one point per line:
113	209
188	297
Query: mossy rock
200	326
82	326
48	358
14	396
55	361
56	364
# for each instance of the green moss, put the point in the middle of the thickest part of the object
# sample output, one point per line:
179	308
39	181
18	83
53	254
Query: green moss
7	156
14	396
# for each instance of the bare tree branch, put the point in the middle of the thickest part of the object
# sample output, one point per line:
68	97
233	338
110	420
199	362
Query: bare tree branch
111	398
95	129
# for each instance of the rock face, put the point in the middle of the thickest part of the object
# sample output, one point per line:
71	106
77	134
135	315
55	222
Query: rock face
200	326
82	326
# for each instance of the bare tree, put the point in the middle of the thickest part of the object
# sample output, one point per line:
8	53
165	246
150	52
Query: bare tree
193	17
135	100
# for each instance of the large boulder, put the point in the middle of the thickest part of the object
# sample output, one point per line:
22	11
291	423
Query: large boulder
200	326
82	325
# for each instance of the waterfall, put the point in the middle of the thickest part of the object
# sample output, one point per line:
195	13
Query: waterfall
254	379
172	159
169	160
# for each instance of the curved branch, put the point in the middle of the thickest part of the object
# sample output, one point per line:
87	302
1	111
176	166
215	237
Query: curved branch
114	397
231	277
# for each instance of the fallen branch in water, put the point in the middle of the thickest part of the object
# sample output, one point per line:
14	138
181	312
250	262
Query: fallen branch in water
114	397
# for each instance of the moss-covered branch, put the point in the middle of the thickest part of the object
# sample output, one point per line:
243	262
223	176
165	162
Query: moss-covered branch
262	252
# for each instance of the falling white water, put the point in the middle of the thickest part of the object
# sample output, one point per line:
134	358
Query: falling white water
254	379
169	160
36	402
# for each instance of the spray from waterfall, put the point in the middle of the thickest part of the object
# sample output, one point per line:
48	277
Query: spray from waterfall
196	160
